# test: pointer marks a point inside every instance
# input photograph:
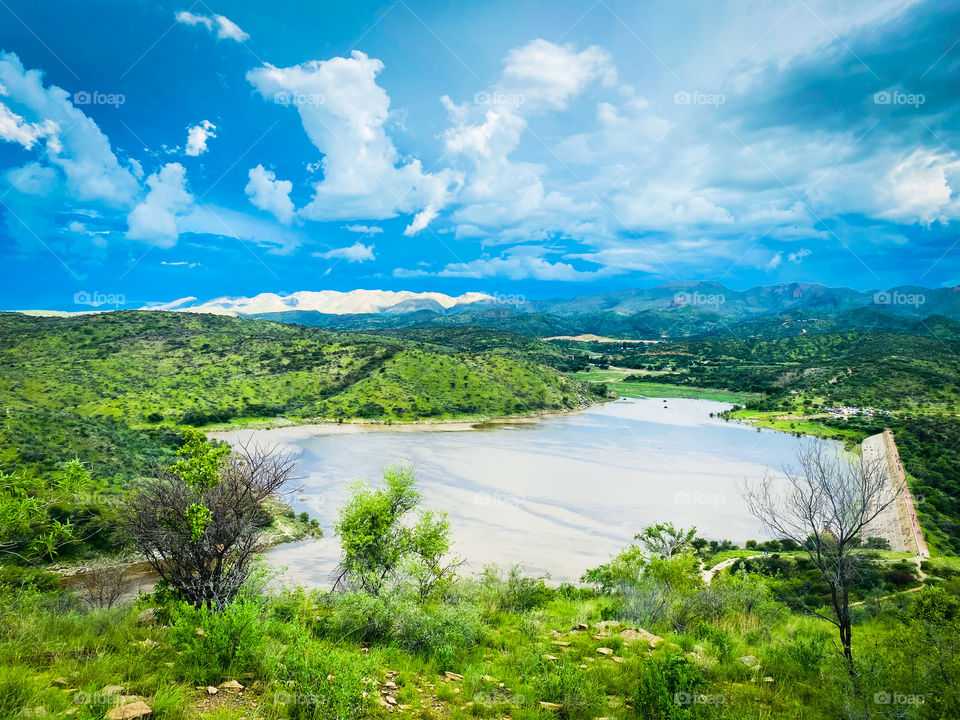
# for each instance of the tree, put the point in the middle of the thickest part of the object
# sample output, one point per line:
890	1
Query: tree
198	523
380	546
663	539
825	508
26	526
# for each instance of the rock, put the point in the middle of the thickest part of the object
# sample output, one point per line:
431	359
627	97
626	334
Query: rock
605	651
111	690
630	635
146	618
148	643
552	707
601	636
561	643
617	659
748	660
489	678
232	685
390	684
550	657
390	699
608	624
211	690
201	633
132	711
452	675
582	626
768	679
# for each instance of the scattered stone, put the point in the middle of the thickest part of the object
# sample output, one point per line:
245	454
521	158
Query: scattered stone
748	660
146	618
549	657
112	690
582	626
201	633
148	643
489	678
601	636
552	707
390	684
390	699
132	711
768	679
605	651
211	690
561	643
452	675
630	635
234	685
617	659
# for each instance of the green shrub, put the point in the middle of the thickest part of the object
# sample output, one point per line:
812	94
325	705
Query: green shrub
217	645
717	638
669	687
808	649
319	681
578	694
515	593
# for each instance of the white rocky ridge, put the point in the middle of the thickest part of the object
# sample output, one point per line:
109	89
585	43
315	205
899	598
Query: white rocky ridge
331	302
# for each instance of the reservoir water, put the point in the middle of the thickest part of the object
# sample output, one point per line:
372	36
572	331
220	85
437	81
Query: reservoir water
558	494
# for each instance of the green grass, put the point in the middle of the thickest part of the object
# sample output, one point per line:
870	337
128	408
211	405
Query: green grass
665	390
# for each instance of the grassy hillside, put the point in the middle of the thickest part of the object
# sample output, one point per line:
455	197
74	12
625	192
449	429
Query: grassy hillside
152	367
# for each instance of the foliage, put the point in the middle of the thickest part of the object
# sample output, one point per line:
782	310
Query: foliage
378	545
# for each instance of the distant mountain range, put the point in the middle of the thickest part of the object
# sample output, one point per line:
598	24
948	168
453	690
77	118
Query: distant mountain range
673	310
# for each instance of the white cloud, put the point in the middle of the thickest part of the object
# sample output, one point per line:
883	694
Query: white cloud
775	261
197	136
225	28
365	229
270	194
799	255
344	113
545	73
74	144
358	252
156	218
518	263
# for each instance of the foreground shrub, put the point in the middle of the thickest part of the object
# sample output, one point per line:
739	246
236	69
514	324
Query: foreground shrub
437	631
217	645
318	681
670	688
513	592
579	695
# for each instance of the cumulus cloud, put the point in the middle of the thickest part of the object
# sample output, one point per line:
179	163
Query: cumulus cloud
197	136
156	218
224	28
344	112
798	256
517	263
356	253
73	143
270	194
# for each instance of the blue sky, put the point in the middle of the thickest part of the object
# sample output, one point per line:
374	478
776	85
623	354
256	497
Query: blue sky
206	149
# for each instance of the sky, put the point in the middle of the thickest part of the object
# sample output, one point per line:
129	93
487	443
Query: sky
152	151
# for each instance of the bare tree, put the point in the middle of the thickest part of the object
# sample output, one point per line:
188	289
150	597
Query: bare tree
104	582
201	536
825	508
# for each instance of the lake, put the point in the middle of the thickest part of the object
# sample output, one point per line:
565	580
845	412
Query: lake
558	494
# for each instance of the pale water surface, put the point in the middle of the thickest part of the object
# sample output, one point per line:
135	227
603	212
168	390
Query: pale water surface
558	494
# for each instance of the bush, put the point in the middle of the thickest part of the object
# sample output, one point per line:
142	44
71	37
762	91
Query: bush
437	631
319	681
717	638
668	685
514	593
575	691
217	645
